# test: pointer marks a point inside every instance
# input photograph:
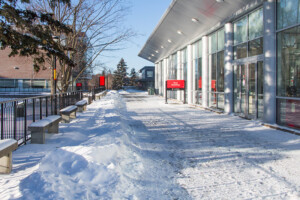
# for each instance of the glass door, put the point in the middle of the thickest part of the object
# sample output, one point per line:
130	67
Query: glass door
248	90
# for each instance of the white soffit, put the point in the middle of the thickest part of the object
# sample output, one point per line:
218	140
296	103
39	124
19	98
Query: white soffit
177	28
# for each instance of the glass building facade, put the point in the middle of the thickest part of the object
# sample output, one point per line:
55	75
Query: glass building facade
197	66
247	63
216	69
288	63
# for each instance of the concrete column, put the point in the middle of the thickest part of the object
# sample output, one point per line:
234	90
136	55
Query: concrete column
205	71
189	74
160	78
269	61
156	76
228	69
179	70
165	64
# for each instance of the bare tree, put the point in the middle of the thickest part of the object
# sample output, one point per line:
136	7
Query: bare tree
96	27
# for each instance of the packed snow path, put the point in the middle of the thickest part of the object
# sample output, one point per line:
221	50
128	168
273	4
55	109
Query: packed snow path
133	146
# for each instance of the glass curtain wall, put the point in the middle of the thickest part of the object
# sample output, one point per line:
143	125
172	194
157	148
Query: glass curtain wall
172	74
248	35
197	62
216	75
288	63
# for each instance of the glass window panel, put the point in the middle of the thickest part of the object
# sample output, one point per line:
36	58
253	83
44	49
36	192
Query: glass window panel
195	50
220	72
221	101
213	72
237	84
221	40
240	31
213	43
199	75
256	47
26	83
240	51
8	83
174	61
38	84
256	24
200	49
287	13
288	113
288	63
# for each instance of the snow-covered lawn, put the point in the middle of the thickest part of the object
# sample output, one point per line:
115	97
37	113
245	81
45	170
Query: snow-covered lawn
133	146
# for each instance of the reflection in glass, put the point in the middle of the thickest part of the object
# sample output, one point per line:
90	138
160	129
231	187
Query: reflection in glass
240	31
251	90
260	90
243	88
213	43
256	47
213	72
221	40
240	51
288	63
288	113
220	72
236	85
256	24
220	101
287	13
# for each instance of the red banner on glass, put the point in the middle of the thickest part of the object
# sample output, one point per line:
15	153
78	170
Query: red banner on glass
213	84
200	83
175	84
102	81
78	84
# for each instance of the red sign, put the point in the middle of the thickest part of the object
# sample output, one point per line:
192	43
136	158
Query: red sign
78	84
102	81
213	84
175	84
200	83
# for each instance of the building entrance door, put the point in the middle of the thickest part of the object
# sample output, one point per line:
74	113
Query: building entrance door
248	90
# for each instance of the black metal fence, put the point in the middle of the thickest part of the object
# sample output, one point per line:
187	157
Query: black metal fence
16	115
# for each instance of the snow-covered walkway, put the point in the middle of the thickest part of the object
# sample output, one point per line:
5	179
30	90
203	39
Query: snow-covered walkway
133	146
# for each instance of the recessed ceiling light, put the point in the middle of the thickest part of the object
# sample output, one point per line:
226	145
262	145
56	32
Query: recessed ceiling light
152	55
179	32
169	40
219	1
149	58
156	51
195	20
162	47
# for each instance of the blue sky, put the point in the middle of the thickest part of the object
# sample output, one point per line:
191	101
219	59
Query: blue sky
143	17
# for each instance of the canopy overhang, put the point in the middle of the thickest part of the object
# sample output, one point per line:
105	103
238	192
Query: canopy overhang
187	20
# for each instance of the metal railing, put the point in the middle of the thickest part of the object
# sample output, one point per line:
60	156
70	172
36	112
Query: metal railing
16	115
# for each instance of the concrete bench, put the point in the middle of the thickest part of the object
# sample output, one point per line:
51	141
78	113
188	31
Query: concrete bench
100	95
81	105
7	146
39	128
68	113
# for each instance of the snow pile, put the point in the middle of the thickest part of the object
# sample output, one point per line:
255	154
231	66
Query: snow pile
133	146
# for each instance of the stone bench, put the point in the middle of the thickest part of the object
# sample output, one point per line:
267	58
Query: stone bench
7	146
68	113
81	105
39	128
99	95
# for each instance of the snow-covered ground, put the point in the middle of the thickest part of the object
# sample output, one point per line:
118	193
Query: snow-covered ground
133	146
